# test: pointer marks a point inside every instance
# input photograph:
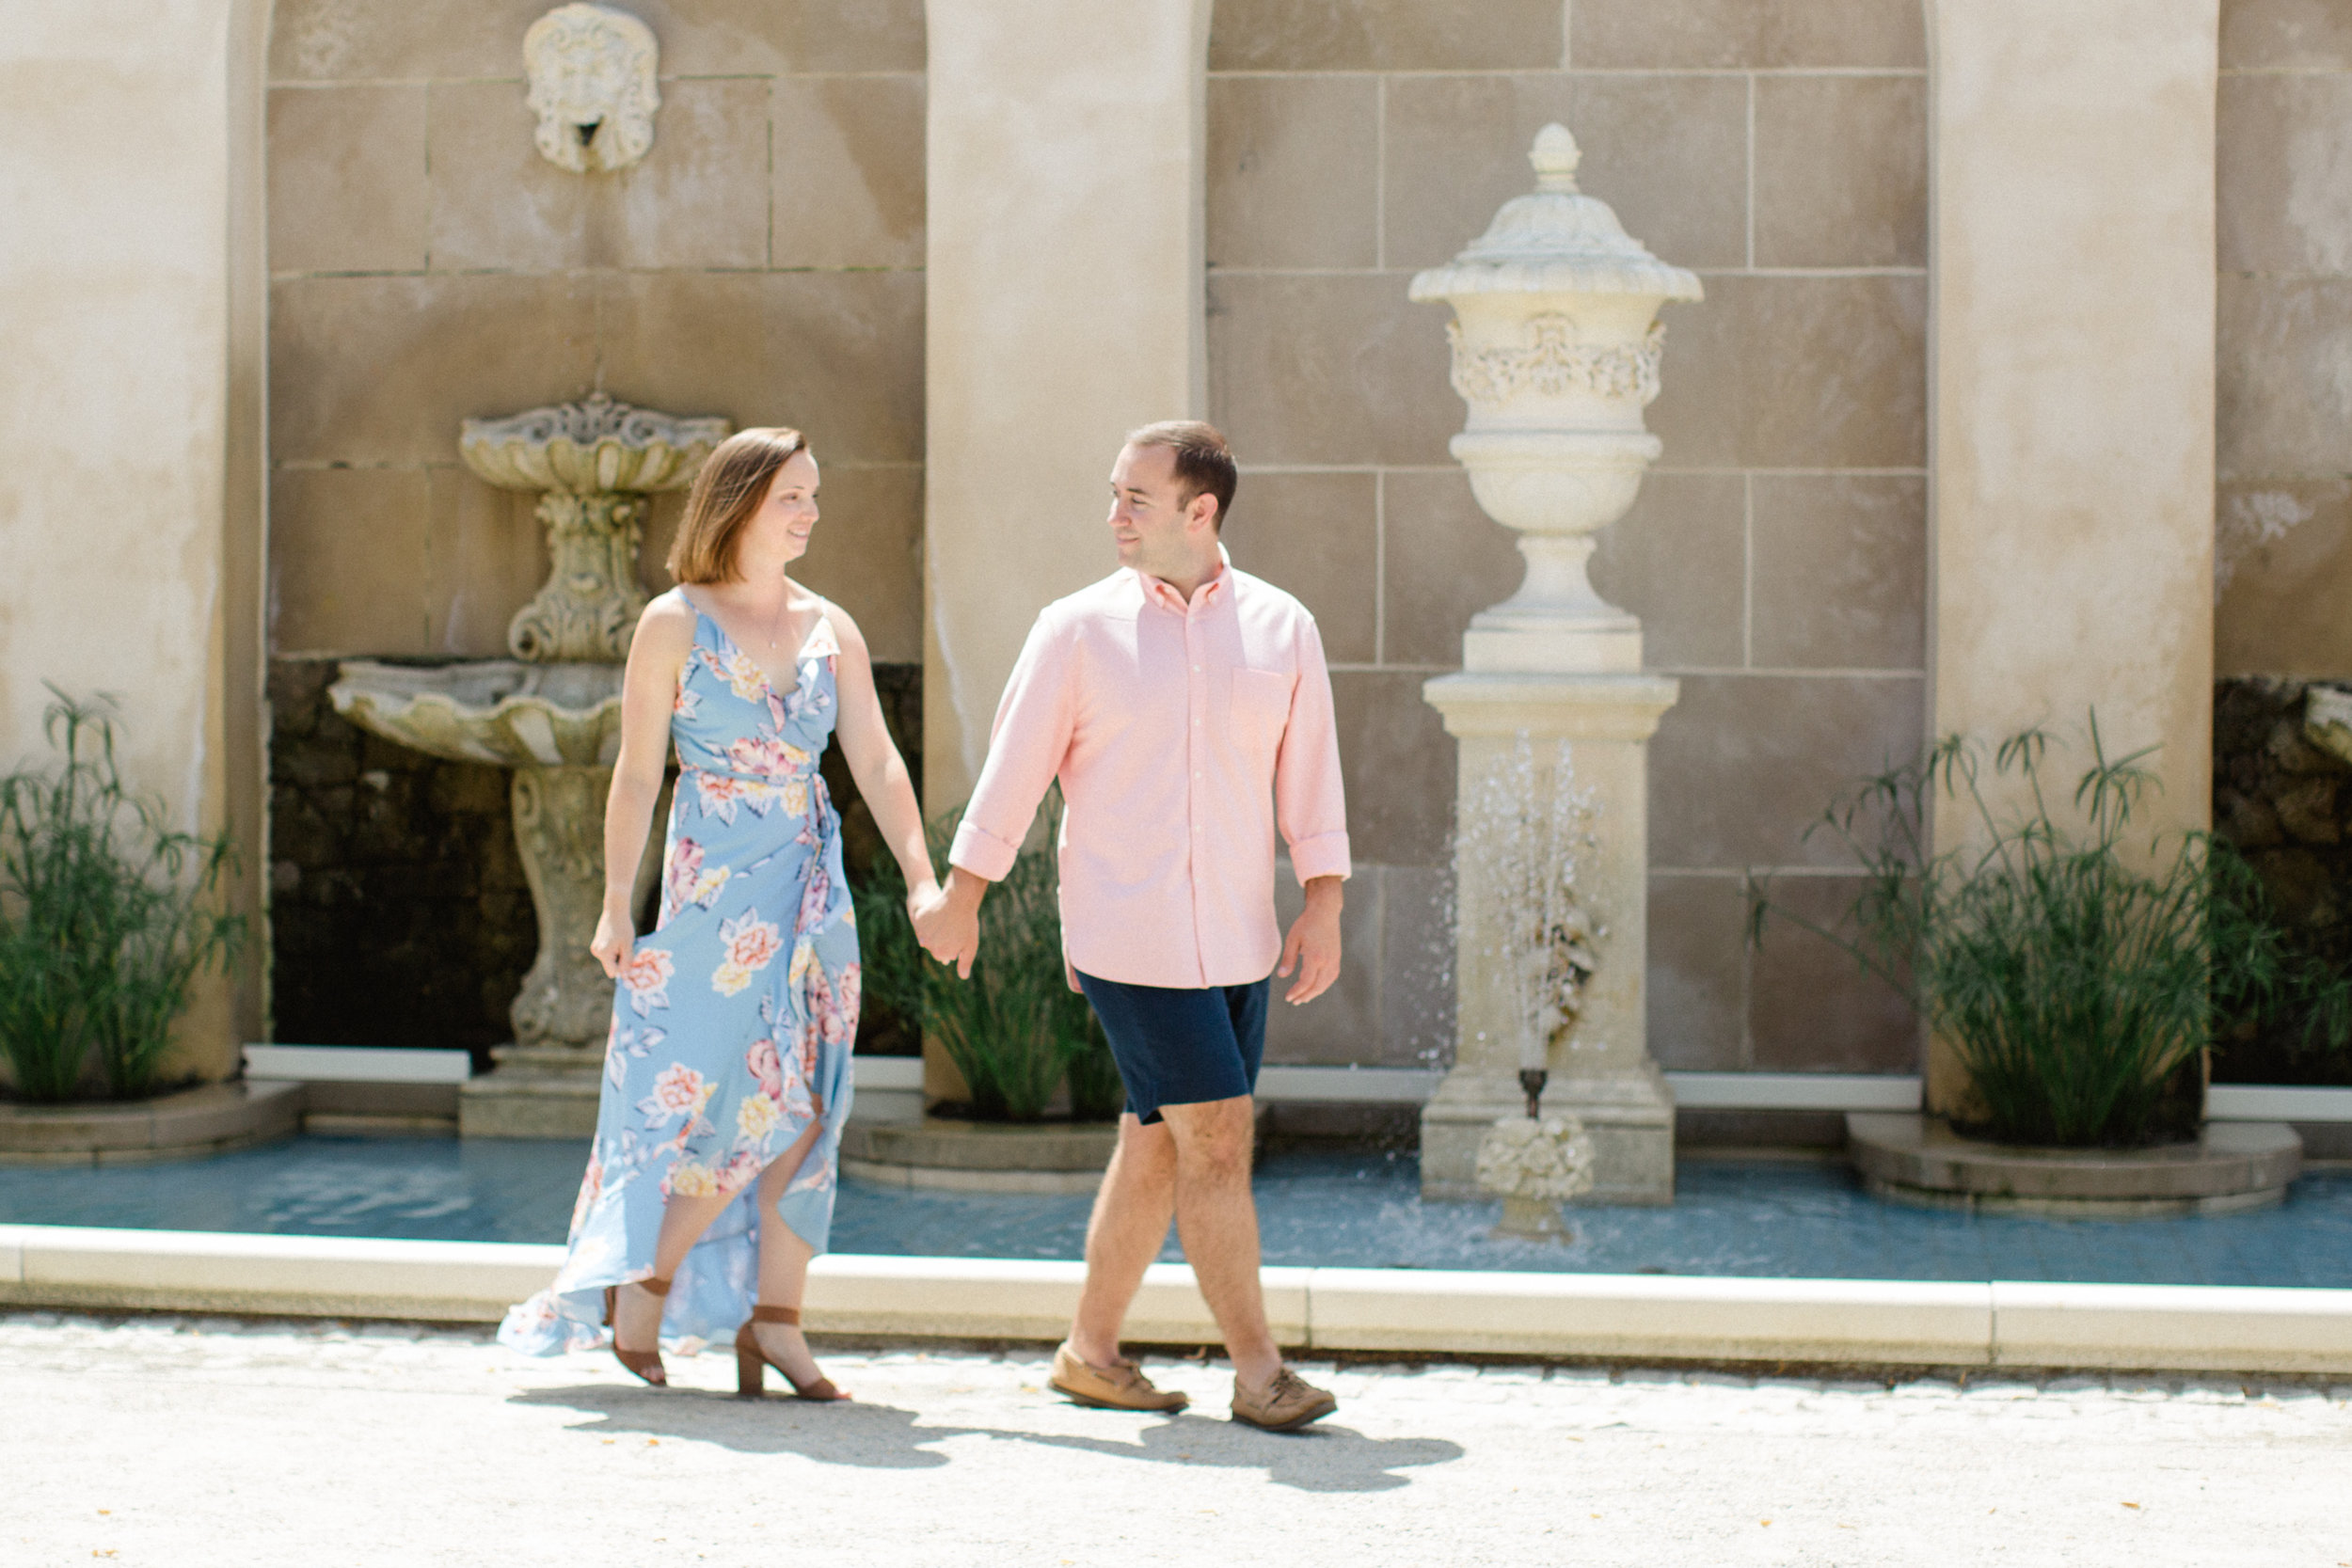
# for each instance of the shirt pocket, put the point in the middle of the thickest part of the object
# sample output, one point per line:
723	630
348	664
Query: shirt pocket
1262	710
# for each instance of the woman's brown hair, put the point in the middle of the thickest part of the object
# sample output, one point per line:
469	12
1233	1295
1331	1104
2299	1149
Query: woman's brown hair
732	484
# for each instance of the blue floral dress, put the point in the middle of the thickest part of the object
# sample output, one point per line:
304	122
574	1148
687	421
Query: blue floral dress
734	1021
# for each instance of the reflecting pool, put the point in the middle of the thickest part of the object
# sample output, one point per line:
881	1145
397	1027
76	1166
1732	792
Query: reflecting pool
1347	1209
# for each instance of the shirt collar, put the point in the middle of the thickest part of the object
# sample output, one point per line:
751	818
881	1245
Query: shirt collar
1159	593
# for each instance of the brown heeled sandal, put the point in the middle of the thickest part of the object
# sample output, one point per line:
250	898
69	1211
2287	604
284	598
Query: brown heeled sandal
645	1364
750	1379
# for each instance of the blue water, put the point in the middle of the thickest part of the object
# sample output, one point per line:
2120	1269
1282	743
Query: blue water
1364	1210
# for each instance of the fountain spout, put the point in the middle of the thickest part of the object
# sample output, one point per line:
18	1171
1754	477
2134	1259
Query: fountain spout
1532	1081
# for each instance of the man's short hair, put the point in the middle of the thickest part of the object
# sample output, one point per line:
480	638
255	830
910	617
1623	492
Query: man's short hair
1204	463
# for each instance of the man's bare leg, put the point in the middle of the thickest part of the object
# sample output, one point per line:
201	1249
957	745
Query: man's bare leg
1128	1227
1218	1221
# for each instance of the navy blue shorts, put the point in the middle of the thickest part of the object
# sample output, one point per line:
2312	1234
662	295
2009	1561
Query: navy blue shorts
1179	1047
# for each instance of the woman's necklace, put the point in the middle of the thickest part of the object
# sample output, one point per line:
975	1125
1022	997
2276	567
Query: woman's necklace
775	622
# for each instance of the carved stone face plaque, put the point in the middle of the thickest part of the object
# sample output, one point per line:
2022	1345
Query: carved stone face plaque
592	86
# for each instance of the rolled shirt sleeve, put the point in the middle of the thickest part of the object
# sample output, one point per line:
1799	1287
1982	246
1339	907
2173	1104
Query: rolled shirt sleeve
1026	747
1310	804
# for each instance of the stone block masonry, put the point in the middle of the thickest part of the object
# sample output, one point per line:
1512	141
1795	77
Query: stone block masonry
1776	556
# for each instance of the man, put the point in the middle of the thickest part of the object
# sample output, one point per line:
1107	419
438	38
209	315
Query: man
1186	711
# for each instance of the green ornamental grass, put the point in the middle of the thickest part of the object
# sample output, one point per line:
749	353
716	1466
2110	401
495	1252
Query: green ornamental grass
1015	1029
2076	978
106	916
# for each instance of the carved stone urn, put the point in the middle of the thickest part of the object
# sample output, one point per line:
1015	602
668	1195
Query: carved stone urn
553	715
1556	349
1556	345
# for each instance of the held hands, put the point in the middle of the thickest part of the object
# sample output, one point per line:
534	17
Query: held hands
947	920
1313	947
616	932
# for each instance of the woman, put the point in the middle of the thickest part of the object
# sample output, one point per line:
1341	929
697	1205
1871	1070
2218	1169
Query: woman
726	1075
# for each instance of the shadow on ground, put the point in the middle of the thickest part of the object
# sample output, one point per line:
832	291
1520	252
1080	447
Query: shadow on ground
1323	1458
1320	1458
856	1433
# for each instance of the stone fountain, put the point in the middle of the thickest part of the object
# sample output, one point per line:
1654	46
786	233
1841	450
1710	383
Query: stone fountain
552	713
1556	347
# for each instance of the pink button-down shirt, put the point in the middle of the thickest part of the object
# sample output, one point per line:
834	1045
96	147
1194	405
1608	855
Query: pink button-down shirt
1184	736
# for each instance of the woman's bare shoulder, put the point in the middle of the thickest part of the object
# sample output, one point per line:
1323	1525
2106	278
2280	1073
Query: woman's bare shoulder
668	623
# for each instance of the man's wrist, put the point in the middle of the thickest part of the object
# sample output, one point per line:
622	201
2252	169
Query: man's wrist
1321	890
966	888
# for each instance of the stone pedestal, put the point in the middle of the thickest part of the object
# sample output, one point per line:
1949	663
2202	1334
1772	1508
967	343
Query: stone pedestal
1514	731
565	998
1556	351
536	1091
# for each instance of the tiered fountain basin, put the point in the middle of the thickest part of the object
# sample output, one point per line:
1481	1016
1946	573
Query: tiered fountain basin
553	714
497	711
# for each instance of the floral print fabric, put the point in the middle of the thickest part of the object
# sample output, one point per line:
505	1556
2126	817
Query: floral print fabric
732	1022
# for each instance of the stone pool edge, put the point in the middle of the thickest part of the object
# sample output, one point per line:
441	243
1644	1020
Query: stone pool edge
1414	1311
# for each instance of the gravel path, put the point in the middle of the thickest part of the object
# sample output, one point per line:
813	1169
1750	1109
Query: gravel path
183	1443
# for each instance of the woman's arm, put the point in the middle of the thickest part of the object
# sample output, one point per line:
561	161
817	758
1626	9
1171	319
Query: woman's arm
666	634
874	762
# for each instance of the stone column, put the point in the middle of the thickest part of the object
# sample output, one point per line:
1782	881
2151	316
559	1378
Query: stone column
1556	351
2072	382
129	508
1063	308
1063	294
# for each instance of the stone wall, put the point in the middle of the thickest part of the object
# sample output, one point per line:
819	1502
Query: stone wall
2282	525
2283	802
2283	503
763	262
399	913
766	263
1777	556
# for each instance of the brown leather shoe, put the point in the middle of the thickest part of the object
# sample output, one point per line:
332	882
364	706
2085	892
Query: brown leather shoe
1289	1402
1120	1386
